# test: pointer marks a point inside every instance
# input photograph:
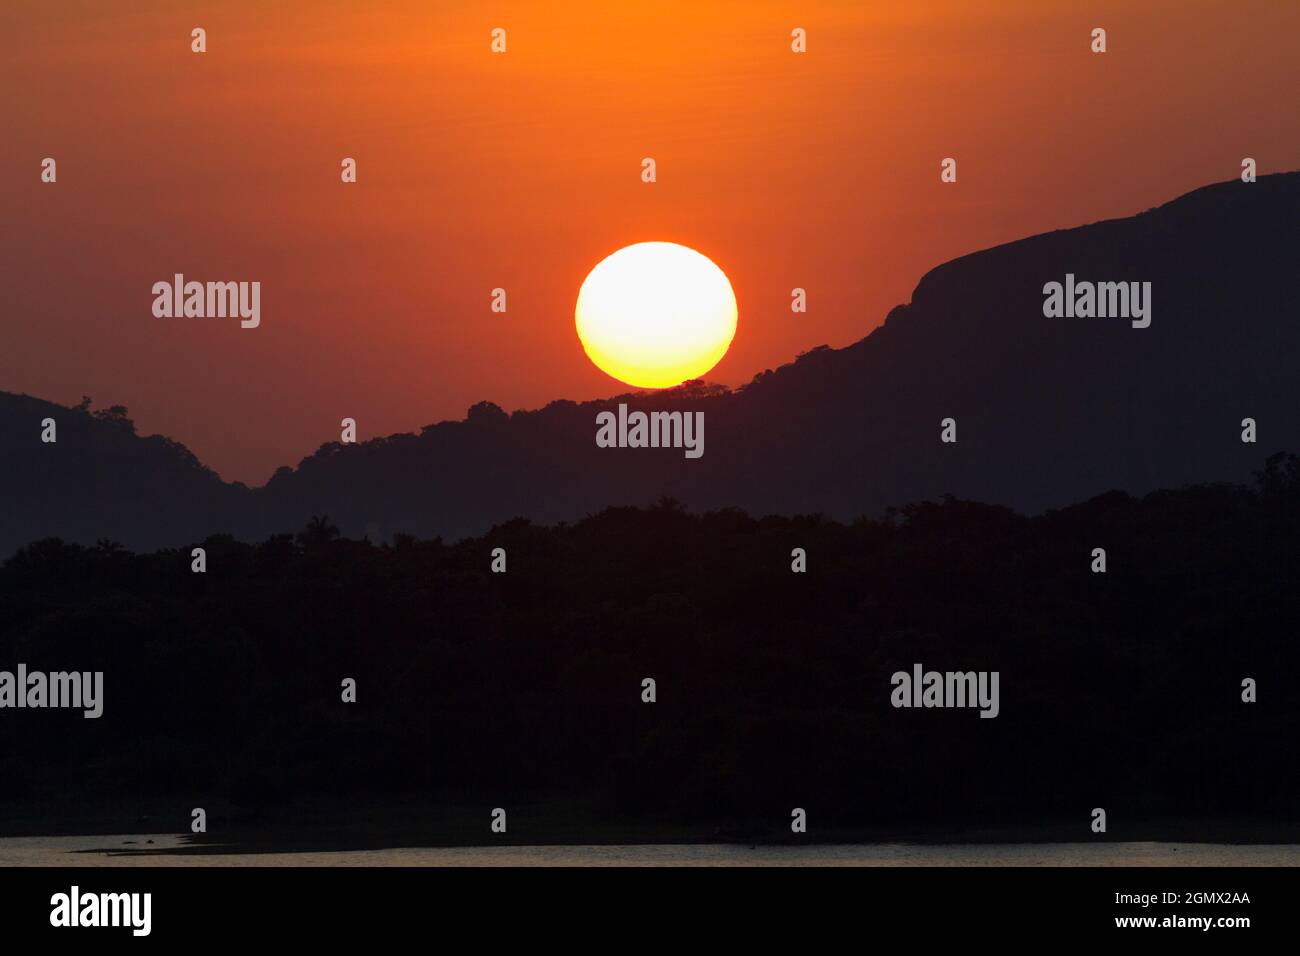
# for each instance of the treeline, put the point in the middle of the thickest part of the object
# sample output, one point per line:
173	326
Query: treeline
1120	689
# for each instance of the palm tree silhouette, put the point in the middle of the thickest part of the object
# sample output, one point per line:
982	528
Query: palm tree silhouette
318	533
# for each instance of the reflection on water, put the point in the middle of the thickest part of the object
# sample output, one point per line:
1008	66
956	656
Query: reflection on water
134	850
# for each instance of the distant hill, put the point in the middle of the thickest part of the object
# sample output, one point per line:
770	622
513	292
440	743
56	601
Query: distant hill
102	480
1049	410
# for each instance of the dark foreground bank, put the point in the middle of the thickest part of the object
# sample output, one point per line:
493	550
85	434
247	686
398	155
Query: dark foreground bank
651	671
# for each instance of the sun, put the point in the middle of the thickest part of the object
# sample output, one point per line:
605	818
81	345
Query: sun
655	314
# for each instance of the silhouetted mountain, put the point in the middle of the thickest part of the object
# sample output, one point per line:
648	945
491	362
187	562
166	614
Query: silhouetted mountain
99	480
1048	410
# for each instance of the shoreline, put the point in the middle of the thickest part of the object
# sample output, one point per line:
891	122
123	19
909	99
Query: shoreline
163	852
452	821
420	826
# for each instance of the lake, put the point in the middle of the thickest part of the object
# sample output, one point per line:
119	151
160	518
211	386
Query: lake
133	850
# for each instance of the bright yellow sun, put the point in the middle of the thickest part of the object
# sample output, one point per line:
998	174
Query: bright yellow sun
655	314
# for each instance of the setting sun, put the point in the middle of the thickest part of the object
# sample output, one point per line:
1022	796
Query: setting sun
656	314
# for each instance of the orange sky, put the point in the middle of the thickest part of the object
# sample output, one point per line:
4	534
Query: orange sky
523	170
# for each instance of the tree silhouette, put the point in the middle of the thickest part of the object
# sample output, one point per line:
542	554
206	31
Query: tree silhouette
318	533
774	687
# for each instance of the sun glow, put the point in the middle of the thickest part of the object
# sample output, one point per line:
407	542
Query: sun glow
656	314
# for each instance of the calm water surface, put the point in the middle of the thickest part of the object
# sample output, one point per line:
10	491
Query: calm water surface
132	850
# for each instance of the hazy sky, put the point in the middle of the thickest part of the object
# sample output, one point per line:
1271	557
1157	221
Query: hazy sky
522	171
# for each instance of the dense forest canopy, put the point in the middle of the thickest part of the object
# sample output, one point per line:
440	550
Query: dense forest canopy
1119	689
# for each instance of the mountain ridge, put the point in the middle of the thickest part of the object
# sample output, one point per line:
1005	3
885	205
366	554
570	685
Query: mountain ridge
1048	411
